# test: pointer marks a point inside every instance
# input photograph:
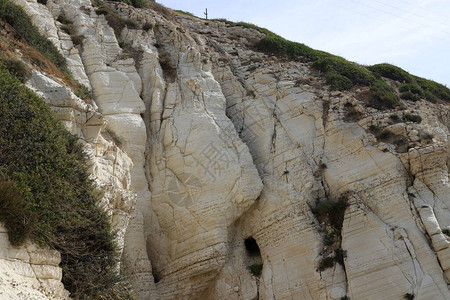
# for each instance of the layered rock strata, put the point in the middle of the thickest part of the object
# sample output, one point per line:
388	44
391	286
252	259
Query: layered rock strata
224	145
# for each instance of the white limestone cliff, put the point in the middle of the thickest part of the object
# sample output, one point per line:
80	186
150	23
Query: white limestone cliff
199	142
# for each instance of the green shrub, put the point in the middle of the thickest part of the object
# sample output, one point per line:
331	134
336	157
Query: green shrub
339	255
411	87
16	68
416	85
63	19
53	194
338	82
24	29
325	263
394	118
331	63
383	96
412	118
391	72
186	13
435	90
430	96
446	231
332	212
42	2
135	3
329	261
256	269
410	96
84	93
14	213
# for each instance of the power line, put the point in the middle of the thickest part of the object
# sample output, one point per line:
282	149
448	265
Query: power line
403	27
424	8
387	12
412	13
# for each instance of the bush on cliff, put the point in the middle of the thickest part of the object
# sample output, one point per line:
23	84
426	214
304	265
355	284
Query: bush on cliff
46	194
135	3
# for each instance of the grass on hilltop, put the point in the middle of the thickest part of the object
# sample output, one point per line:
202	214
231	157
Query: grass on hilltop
342	74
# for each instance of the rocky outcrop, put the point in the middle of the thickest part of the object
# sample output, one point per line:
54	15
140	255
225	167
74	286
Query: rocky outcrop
29	272
235	155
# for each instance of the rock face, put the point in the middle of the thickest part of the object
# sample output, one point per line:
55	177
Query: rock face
29	272
215	158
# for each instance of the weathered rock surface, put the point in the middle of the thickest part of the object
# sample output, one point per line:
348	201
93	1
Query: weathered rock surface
29	272
223	144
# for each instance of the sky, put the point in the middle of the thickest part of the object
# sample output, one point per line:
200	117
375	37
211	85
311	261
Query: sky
411	34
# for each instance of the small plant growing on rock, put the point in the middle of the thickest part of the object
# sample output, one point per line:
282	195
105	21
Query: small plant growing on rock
332	212
412	118
446	231
325	263
256	269
63	19
339	255
394	118
409	96
84	93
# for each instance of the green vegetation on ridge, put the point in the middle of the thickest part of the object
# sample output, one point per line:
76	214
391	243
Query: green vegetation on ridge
412	85
341	74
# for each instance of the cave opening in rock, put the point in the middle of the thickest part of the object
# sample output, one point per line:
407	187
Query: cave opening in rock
252	247
254	260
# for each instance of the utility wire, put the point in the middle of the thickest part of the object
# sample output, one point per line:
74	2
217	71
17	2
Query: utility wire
412	13
409	20
424	8
379	19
